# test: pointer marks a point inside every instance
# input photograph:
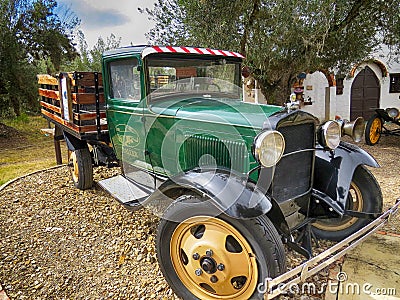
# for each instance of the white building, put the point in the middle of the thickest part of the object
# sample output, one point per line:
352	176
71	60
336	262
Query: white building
369	85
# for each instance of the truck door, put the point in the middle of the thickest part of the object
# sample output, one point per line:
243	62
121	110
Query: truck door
124	90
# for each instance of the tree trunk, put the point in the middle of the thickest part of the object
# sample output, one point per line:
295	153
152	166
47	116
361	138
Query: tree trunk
278	92
248	27
16	105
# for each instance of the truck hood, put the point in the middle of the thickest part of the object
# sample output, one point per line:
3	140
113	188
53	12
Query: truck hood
226	111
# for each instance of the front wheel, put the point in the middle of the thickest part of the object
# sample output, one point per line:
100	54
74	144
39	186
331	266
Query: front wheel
204	255
81	168
373	130
364	196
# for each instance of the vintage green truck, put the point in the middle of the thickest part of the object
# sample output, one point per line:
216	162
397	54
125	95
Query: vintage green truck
231	181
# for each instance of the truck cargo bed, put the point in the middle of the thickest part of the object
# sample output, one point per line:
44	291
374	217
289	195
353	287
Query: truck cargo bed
74	101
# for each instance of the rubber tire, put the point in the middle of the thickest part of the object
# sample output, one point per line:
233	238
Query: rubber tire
372	203
85	169
259	232
368	130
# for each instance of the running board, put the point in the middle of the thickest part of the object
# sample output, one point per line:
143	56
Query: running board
126	192
281	284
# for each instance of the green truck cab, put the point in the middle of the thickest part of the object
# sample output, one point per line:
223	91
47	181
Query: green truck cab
231	181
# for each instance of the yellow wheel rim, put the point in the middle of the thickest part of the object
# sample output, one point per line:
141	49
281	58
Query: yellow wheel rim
213	260
375	131
73	163
346	221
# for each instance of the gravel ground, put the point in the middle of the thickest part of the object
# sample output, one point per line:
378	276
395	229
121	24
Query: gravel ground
57	242
387	154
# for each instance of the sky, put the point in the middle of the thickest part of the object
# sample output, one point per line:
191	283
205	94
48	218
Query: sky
120	17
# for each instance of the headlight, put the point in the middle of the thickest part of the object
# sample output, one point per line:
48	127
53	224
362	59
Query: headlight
329	134
392	112
268	147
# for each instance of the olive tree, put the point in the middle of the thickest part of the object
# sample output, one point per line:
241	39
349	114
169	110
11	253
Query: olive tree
282	38
31	32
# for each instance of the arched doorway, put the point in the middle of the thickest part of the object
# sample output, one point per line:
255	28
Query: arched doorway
365	94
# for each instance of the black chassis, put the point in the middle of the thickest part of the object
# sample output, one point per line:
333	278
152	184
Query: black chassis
382	113
102	153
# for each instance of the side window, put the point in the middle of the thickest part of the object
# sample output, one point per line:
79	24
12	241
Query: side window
394	83
125	79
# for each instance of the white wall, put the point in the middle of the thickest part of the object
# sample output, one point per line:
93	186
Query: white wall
318	83
390	99
343	101
340	104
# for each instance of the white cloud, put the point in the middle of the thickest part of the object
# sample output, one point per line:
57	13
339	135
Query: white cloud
103	17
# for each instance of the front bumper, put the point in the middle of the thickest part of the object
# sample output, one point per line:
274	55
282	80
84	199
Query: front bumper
297	275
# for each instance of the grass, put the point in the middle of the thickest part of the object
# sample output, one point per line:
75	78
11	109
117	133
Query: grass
29	152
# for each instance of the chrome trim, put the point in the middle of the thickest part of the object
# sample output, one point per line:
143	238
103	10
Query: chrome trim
258	143
299	151
317	263
389	110
323	138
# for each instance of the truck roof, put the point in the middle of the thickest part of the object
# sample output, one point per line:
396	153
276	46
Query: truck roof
147	50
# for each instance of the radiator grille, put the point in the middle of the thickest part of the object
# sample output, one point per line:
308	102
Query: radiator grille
293	172
225	153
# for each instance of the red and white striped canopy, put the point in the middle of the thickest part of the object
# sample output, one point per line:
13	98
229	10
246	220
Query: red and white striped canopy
189	50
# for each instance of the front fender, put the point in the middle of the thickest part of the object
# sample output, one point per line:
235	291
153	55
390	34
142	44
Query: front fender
334	171
229	192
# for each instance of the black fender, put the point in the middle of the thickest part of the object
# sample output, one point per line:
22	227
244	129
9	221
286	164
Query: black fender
383	115
229	192
334	171
73	143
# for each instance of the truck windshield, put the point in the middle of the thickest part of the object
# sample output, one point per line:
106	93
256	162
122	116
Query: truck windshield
210	77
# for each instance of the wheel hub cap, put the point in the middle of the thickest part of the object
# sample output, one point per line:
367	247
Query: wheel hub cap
208	265
213	259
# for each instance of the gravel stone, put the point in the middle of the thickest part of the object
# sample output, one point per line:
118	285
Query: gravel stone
57	242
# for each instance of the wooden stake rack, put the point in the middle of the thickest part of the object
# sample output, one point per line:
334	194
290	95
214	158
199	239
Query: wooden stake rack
74	101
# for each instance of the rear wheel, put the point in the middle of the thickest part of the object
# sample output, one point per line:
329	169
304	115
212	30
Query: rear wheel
373	130
364	196
204	256
81	168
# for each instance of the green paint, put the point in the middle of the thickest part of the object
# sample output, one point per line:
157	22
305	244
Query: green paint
173	134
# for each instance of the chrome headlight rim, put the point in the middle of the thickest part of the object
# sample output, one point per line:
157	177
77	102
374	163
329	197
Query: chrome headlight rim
262	138
325	136
393	112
